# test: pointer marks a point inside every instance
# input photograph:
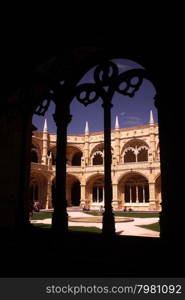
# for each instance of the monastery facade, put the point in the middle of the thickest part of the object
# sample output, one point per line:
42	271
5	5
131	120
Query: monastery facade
136	182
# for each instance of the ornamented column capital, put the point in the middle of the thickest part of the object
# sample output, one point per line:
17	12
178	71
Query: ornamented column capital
61	117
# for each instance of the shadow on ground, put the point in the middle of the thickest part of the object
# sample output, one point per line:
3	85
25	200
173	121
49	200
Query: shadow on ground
38	253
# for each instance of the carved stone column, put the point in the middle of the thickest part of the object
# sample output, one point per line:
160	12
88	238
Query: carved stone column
137	193
108	216
123	198
152	195
115	195
117	145
23	205
60	217
48	199
82	200
107	81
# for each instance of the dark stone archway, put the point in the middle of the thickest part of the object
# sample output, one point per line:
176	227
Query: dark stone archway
22	90
75	193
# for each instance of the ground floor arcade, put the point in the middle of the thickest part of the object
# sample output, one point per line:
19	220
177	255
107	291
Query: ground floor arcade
130	191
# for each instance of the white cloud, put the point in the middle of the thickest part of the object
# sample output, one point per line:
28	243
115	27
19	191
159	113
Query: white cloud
132	120
123	113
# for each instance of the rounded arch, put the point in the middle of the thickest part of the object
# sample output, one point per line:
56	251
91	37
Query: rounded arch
97	154
38	189
98	147
74	155
94	176
34	156
76	159
73	191
157	177
135	150
133	143
35	152
95	189
130	173
133	188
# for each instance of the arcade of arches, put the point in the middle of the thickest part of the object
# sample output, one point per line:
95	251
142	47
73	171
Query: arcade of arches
136	177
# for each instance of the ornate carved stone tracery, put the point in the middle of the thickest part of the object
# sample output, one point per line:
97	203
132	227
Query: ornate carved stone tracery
107	81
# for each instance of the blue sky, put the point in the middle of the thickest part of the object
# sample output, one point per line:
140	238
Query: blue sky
130	111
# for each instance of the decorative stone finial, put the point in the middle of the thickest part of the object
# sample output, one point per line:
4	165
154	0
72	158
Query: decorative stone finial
117	123
151	118
86	128
45	126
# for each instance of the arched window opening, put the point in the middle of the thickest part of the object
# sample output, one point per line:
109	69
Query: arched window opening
34	156
98	191
53	159
75	193
76	160
142	155
129	156
137	190
73	190
34	190
98	194
73	156
98	159
135	150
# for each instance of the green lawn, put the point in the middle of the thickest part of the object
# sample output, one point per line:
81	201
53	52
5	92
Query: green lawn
48	215
154	226
72	228
41	215
129	214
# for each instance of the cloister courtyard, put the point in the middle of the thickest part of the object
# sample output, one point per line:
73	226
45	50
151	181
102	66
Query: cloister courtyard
127	224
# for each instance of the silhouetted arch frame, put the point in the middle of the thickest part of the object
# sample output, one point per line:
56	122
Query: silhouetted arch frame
106	75
107	81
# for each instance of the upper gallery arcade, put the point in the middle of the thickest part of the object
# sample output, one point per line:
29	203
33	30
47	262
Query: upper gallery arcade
135	168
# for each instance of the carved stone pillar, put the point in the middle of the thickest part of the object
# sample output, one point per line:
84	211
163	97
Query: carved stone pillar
122	198
86	149
108	216
115	195
60	217
152	195
48	199
137	194
82	200
117	145
130	193
143	191
152	142
107	81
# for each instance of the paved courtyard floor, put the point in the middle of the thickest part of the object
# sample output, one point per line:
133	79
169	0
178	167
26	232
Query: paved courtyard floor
125	228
